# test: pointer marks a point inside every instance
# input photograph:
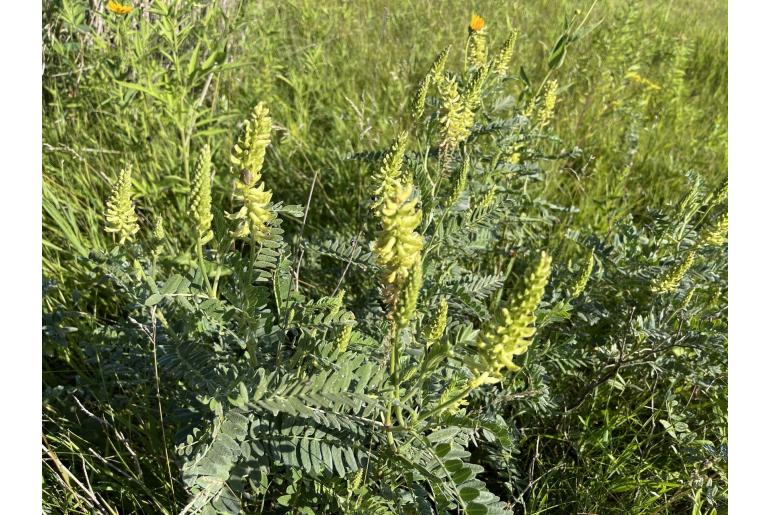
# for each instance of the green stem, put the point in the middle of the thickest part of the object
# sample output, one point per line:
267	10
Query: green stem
202	265
445	404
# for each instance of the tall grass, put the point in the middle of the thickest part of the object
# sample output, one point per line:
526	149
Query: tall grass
153	91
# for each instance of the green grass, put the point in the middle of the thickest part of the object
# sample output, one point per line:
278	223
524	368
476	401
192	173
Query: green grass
339	78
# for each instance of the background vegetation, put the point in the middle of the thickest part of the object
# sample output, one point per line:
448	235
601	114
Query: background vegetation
596	424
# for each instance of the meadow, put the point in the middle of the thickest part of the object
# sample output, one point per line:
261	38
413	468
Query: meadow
384	257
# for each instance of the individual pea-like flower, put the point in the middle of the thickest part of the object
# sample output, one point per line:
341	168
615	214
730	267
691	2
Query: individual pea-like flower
121	218
509	334
200	206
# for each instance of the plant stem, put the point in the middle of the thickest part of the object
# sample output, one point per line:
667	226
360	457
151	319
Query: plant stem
202	265
445	404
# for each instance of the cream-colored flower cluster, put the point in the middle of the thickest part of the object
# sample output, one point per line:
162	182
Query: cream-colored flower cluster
120	216
200	204
248	156
510	332
398	245
669	280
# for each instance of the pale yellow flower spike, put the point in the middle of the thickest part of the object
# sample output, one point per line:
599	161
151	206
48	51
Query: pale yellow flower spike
200	206
477	42
120	216
716	234
248	156
455	122
398	246
460	182
669	280
585	274
255	215
503	57
510	333
342	339
248	153
159	233
406	305
437	325
116	8
549	103
390	172
647	83
433	77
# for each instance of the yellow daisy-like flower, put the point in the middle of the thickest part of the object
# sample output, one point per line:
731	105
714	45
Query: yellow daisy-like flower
477	23
117	8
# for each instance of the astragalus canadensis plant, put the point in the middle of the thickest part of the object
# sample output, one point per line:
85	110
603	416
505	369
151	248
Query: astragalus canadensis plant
397	388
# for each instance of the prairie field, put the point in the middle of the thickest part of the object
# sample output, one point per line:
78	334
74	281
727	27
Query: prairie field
384	257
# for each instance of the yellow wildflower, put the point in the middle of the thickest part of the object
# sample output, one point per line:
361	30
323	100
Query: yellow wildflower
459	182
406	304
342	339
477	23
116	8
635	77
456	119
390	172
255	215
500	62
716	234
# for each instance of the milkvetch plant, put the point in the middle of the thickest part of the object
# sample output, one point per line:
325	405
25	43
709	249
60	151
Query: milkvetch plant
417	342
